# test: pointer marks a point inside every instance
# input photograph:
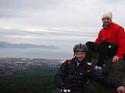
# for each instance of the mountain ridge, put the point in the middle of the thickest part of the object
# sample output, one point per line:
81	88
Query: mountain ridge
25	45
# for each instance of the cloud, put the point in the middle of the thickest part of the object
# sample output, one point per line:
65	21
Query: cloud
54	21
62	14
46	13
57	13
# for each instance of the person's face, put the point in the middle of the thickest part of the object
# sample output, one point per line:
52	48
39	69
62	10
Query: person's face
80	55
106	20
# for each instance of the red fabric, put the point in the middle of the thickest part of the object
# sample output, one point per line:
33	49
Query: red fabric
114	34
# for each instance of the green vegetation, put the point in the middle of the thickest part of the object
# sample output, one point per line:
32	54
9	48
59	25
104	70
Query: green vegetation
40	80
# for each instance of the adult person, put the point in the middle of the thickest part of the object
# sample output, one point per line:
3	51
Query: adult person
110	41
74	74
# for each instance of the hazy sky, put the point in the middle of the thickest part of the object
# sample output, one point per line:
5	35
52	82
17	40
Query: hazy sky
62	23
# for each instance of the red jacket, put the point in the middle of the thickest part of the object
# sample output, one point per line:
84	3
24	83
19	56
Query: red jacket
114	34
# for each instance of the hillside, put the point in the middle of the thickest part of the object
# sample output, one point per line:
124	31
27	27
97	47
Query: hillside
19	75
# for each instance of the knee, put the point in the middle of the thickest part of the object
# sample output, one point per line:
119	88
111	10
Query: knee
104	43
90	44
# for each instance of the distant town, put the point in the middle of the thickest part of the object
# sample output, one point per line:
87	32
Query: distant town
8	66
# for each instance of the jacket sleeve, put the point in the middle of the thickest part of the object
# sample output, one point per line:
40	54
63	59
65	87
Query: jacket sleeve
99	38
121	42
61	74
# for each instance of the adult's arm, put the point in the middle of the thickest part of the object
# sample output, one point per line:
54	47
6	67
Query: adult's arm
59	77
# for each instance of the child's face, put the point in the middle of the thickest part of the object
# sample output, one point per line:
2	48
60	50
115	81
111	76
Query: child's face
80	55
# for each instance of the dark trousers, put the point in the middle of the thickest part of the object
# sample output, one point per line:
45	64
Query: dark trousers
104	49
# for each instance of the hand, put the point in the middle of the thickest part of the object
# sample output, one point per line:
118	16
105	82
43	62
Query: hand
121	89
115	58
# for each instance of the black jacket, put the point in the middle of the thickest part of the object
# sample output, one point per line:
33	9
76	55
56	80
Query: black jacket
72	76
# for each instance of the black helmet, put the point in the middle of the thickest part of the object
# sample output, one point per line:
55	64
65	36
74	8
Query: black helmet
80	48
